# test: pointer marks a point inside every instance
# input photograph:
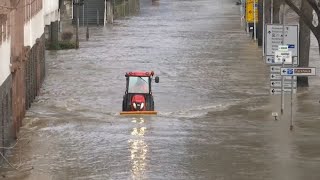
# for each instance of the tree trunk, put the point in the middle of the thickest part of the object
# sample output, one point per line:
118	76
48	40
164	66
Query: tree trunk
276	11
267	10
304	42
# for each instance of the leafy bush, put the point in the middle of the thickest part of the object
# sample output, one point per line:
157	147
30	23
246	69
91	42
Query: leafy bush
66	36
67	45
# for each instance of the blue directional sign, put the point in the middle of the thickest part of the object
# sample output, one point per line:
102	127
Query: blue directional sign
289	71
291	46
298	71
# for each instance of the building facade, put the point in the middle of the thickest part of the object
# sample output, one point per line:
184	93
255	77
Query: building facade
22	58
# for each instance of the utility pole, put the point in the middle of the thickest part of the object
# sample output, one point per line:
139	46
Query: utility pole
77	3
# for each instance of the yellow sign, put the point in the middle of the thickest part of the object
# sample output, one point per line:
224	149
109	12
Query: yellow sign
250	11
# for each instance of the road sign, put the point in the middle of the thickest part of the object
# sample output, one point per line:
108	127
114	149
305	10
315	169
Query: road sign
250	11
283	57
278	77
271	60
274	38
275	69
286	84
275	91
299	71
283	48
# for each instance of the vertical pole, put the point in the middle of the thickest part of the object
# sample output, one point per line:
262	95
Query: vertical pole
271	12
77	26
291	114
241	10
87	33
282	78
263	23
254	20
105	13
97	17
83	15
124	8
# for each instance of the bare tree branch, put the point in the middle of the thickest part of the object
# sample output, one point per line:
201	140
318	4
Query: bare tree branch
314	6
303	16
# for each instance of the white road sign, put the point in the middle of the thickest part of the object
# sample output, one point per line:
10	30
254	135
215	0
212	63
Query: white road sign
274	91
274	37
275	69
286	84
299	71
283	48
283	57
271	60
278	77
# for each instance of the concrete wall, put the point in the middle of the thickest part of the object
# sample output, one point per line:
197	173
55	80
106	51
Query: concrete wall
51	11
34	29
5	52
6	124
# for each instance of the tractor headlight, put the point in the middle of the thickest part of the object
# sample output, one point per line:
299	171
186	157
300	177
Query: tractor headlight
141	107
134	106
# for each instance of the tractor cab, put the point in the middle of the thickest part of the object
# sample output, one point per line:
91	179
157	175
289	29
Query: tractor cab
138	98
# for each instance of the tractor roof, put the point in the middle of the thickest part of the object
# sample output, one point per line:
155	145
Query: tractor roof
140	73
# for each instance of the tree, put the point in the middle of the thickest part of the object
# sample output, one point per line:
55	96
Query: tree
306	15
276	10
306	18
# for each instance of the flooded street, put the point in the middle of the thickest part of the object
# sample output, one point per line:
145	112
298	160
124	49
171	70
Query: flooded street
214	109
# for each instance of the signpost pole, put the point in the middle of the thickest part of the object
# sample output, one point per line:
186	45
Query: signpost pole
254	21
282	79
291	120
271	12
263	26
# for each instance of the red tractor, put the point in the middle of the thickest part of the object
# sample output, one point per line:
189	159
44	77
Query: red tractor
138	98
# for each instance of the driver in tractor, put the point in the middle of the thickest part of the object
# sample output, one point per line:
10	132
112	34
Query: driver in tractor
140	86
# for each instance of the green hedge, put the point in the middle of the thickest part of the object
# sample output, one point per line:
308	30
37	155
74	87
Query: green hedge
61	45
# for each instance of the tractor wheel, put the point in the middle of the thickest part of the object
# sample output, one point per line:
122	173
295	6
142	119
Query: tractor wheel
123	106
150	105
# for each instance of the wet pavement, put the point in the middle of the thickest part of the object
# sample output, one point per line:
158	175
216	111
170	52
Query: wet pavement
213	101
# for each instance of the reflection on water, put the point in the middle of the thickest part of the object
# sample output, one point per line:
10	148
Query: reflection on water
138	149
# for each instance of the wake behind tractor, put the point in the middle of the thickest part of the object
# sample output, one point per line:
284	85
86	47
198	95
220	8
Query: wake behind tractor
138	98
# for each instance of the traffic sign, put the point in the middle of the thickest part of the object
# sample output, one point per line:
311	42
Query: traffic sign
276	91
275	69
278	77
251	11
286	84
283	48
299	71
283	57
274	37
271	60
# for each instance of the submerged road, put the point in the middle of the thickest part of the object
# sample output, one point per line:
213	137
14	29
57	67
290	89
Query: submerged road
213	101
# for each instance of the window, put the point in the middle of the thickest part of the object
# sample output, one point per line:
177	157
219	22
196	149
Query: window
138	85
